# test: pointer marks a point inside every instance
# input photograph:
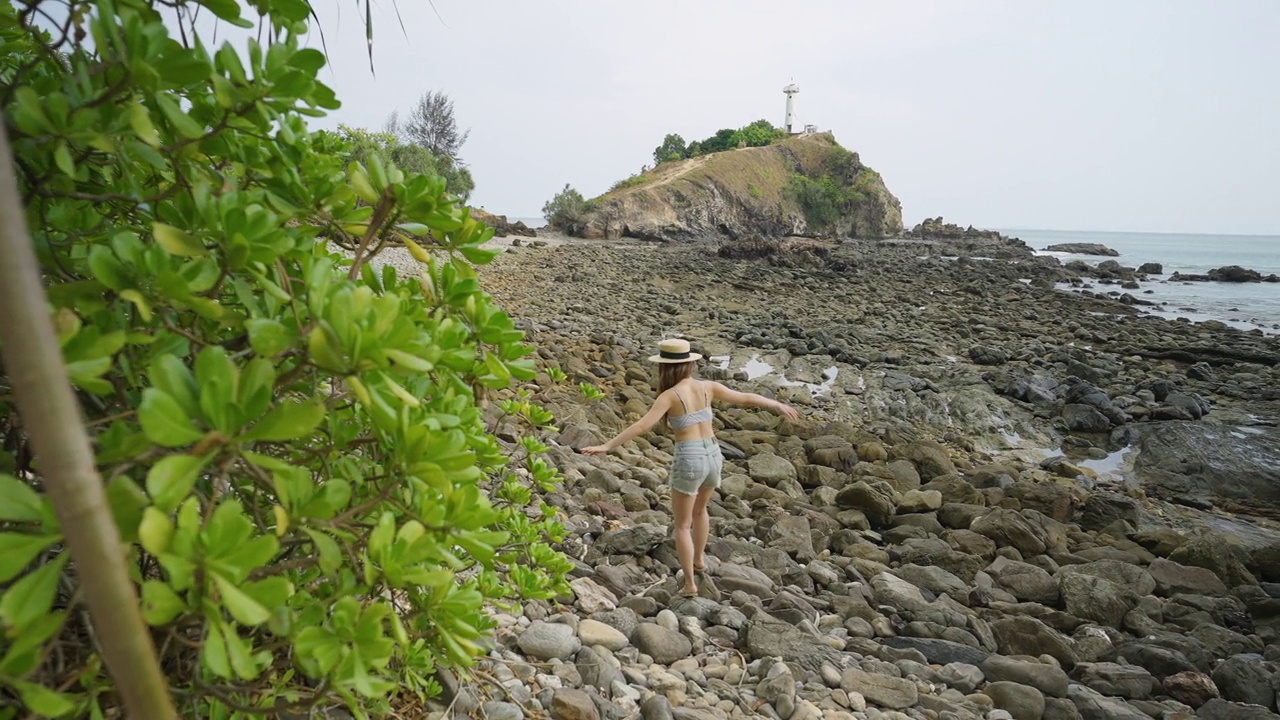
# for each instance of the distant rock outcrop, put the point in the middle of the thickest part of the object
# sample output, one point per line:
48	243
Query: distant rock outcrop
1084	249
501	226
801	186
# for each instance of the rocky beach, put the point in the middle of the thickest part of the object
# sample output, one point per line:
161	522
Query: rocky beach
1002	500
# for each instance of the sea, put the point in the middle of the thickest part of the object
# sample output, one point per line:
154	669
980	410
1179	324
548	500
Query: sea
1246	306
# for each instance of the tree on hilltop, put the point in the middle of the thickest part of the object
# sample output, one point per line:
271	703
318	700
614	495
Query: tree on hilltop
672	148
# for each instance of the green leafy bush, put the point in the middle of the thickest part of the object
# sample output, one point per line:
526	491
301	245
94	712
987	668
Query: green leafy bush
633	181
757	134
824	200
820	200
313	507
566	210
672	148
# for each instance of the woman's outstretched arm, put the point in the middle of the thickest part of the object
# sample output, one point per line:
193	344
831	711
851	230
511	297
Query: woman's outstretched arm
660	407
733	397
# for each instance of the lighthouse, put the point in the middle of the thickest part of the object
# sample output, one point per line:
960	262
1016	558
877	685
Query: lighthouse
791	91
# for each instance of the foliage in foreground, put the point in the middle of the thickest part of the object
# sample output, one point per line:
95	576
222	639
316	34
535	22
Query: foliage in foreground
291	440
360	145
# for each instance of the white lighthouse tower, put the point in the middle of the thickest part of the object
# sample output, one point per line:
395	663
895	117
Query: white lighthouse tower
791	91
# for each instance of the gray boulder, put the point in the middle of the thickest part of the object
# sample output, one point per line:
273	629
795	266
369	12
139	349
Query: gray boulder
1193	457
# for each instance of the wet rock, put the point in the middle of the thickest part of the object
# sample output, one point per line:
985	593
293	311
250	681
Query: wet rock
1085	418
1022	702
1094	598
1211	552
1159	661
1022	635
1024	581
1245	679
635	540
1190	457
770	469
1126	681
939	652
1191	688
1102	508
1218	709
1009	528
876	502
1084	249
1049	679
1123	575
1094	706
930	459
1151	268
1173	578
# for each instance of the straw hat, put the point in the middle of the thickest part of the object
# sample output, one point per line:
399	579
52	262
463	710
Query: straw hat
674	350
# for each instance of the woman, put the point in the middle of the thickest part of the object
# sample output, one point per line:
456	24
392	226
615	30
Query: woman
696	461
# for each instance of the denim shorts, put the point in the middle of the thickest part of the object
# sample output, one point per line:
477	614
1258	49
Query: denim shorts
696	464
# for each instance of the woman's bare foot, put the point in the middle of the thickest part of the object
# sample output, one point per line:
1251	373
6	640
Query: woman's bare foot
689	592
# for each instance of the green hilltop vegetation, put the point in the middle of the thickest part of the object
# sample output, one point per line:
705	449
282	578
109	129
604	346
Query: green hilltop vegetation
749	182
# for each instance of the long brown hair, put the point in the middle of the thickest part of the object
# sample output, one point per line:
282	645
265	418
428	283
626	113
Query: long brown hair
670	374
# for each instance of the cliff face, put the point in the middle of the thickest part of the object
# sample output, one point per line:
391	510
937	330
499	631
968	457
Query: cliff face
807	186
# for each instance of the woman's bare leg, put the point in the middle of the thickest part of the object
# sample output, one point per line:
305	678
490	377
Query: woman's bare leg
682	511
701	527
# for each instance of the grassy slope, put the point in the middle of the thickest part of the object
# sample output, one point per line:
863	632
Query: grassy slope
757	175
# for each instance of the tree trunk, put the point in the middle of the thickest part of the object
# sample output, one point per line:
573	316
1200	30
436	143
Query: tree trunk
52	419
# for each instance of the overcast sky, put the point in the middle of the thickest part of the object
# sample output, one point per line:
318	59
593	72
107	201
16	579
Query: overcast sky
1143	115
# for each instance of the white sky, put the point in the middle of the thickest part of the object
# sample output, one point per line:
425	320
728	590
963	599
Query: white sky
1142	115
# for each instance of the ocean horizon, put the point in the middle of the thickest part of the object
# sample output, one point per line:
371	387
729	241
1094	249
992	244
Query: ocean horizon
1246	306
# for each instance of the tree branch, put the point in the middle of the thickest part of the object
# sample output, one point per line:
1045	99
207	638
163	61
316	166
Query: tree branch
47	405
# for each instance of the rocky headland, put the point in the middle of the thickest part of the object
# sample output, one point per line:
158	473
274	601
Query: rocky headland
749	192
1002	500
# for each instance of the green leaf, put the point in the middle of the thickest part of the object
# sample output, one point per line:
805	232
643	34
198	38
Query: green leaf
127	502
32	596
241	661
160	604
17	550
288	420
27	650
140	121
18	502
269	337
214	653
107	269
243	608
177	242
327	549
62	157
170	480
182	122
43	701
164	421
170	375
155	532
